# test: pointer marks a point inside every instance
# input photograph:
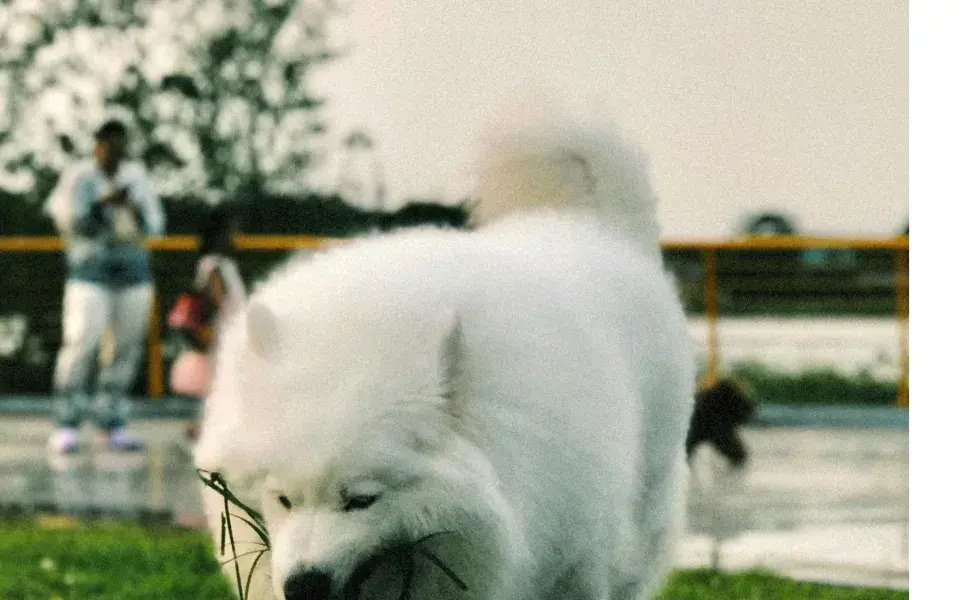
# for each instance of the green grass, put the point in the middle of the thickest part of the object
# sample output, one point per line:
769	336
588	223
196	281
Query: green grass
116	561
754	585
107	561
815	386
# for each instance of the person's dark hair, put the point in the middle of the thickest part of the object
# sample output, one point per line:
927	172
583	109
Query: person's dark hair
217	229
110	129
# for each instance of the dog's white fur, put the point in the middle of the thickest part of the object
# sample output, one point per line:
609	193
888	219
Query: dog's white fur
526	386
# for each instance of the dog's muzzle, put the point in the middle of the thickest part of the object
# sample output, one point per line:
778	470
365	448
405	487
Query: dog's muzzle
318	583
311	584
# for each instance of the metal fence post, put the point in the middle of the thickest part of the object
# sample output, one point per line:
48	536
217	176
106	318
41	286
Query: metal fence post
901	301
154	356
711	313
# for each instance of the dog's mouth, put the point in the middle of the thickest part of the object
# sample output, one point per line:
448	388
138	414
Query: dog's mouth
392	573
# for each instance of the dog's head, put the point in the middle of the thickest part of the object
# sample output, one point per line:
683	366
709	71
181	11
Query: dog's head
391	514
352	432
720	411
726	402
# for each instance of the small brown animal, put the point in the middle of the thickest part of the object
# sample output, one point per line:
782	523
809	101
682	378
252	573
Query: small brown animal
720	410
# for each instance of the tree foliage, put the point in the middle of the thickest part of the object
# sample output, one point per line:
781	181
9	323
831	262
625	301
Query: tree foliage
215	90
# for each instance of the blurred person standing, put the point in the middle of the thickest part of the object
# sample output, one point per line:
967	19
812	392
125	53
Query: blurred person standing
103	208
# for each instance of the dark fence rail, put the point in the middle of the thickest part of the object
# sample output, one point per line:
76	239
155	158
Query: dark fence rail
785	276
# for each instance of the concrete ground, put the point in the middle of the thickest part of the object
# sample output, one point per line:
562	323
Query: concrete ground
814	503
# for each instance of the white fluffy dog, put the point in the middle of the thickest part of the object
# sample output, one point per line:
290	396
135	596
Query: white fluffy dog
496	414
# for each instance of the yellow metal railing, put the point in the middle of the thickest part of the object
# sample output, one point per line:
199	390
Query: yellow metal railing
708	249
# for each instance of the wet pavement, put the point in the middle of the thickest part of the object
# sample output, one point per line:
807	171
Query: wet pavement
157	484
814	503
824	504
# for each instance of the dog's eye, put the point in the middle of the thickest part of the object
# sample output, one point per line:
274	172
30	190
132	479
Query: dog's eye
351	502
284	501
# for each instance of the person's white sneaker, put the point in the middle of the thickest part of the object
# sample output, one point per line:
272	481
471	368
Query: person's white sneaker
64	440
121	440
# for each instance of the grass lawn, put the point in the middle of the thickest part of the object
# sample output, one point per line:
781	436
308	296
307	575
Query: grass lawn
114	561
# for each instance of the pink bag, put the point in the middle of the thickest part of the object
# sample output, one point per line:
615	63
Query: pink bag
189	311
190	374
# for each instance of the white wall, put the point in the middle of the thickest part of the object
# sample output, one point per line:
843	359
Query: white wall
793	105
798	105
846	345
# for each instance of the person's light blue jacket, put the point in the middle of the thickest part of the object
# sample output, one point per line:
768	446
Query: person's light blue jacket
96	250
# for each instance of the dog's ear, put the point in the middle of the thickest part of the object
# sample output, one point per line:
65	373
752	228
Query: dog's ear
262	330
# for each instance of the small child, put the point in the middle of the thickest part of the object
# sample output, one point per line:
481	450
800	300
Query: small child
217	271
220	289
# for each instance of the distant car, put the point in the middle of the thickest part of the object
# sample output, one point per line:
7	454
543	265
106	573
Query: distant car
769	223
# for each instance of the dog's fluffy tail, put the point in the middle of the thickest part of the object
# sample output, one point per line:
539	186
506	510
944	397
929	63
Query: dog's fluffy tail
569	165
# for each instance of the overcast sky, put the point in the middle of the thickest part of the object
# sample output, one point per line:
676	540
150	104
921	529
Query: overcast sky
799	106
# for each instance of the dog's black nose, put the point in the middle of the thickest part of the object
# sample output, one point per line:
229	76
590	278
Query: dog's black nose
309	584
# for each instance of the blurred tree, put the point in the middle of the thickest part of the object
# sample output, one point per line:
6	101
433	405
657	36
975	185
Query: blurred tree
48	81
215	90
